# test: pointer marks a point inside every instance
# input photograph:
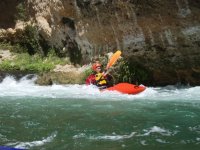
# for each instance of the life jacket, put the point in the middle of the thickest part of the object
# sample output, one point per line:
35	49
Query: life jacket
100	79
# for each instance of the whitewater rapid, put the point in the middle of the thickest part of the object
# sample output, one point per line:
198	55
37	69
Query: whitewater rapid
26	87
82	117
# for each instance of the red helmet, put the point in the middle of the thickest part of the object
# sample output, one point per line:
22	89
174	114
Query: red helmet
94	66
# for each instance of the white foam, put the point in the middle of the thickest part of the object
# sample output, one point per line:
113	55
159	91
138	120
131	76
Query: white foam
156	129
143	142
113	137
27	145
161	141
195	129
3	138
26	88
78	136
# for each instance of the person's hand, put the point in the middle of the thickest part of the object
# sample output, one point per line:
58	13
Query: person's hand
105	73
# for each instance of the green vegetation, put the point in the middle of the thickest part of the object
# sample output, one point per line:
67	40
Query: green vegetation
6	45
31	51
21	12
26	41
35	63
85	74
16	48
29	41
131	72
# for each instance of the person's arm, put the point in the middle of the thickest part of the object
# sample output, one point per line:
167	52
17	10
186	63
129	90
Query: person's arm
91	80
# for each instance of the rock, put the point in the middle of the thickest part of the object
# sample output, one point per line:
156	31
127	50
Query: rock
71	68
2	33
67	74
11	31
5	55
20	25
45	79
60	78
160	39
42	23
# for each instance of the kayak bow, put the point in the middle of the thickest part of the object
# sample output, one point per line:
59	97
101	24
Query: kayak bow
127	88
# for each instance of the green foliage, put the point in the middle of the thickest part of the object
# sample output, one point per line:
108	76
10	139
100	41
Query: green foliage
125	74
52	53
5	45
35	63
13	48
86	74
130	72
29	40
21	12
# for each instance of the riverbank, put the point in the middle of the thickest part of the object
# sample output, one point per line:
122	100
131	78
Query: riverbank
50	69
59	70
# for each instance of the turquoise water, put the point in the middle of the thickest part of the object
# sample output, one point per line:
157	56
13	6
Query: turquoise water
76	117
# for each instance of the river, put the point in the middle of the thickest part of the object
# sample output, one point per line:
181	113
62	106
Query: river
79	117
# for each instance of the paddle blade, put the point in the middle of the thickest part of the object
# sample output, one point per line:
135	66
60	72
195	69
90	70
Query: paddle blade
113	59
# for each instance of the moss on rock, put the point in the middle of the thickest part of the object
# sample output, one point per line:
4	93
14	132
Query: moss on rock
60	78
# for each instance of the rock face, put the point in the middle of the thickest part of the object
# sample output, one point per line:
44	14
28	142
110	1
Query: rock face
7	11
161	36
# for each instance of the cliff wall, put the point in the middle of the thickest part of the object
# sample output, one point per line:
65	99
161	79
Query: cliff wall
161	36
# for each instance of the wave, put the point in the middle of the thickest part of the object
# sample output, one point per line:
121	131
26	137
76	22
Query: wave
112	137
26	87
28	145
115	137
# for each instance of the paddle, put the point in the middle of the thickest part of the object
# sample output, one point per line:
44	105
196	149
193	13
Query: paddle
111	62
113	59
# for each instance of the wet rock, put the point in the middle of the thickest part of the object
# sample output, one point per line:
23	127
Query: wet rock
60	78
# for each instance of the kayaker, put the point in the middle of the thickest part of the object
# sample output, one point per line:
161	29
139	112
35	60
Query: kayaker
100	79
